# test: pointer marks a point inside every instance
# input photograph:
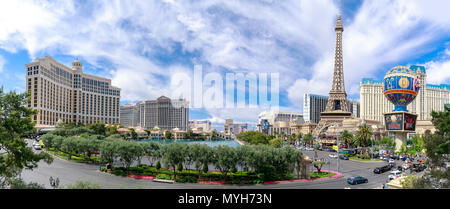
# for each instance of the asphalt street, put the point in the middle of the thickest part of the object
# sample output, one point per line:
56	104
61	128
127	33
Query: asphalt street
70	173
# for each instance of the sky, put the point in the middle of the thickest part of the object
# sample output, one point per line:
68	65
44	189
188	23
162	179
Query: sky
140	45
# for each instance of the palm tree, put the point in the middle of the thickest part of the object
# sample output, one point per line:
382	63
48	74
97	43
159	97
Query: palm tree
308	138
346	138
292	138
299	136
363	135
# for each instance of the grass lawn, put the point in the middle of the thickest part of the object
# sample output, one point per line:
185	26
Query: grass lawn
314	174
362	160
78	159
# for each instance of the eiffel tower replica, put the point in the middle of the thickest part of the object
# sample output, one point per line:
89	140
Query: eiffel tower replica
337	108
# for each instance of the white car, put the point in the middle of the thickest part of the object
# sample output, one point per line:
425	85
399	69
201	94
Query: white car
310	149
391	161
333	155
405	166
37	147
394	174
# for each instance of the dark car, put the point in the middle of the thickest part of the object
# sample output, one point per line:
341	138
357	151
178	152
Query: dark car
383	169
357	180
418	167
403	158
343	157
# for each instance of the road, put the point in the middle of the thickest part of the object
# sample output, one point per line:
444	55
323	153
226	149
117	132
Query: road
70	172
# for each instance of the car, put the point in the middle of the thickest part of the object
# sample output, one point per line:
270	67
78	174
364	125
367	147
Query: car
37	147
391	161
343	157
333	155
418	167
403	158
357	180
394	174
382	169
405	166
310	149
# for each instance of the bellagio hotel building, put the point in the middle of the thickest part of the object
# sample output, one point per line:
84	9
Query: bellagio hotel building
61	94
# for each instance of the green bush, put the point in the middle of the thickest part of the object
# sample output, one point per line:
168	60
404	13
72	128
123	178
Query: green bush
164	176
158	165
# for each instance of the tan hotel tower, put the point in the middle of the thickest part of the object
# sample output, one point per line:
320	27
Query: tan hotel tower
61	94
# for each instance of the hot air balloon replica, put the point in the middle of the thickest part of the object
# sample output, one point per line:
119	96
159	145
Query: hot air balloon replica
401	87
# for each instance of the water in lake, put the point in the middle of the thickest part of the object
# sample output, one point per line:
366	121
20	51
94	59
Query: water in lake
230	143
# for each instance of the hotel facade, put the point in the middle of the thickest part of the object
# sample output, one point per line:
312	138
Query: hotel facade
61	94
431	97
163	113
314	104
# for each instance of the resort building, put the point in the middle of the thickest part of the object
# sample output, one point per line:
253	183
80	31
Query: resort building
314	104
431	97
164	113
61	94
200	125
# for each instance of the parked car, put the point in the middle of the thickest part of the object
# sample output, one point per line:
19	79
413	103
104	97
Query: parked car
333	155
310	149
418	167
405	166
357	180
391	161
403	158
343	157
37	147
394	174
383	157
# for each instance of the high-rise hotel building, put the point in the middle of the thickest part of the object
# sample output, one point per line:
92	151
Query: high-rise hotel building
63	94
314	104
164	113
431	97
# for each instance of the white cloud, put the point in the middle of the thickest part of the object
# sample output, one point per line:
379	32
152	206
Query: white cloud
438	72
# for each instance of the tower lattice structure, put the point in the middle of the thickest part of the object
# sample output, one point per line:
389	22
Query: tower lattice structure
337	109
338	97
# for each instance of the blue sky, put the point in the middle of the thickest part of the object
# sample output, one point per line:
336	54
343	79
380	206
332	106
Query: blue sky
139	45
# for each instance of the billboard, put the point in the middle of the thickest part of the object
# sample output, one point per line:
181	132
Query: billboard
394	121
410	122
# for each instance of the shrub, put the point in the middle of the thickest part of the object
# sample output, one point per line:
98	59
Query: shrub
164	176
158	165
180	166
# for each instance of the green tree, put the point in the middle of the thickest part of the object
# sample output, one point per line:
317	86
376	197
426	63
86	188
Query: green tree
363	135
308	139
128	152
168	134
98	128
108	151
69	145
275	142
15	120
224	159
173	154
202	155
133	134
151	151
254	137
346	137
414	182
318	165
